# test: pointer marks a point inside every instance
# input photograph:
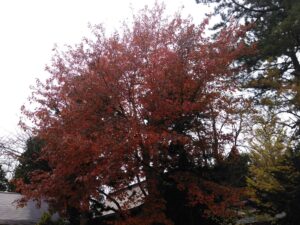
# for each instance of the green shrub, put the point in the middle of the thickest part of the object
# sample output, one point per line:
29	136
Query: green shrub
46	220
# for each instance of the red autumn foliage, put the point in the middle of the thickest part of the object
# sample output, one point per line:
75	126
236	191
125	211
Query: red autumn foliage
142	104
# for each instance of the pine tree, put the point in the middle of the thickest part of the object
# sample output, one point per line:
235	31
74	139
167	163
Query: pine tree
286	200
274	27
3	180
29	161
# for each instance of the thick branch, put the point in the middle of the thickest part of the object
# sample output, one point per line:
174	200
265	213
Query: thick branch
296	64
140	186
103	208
254	10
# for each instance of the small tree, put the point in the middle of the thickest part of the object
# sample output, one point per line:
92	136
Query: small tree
268	147
30	161
4	185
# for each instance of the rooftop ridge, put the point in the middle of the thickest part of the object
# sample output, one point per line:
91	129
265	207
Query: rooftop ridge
7	192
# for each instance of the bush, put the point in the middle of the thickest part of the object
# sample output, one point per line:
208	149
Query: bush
46	220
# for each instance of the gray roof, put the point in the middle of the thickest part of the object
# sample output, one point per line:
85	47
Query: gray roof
10	214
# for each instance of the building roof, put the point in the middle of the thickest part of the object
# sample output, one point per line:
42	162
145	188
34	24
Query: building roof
10	214
128	198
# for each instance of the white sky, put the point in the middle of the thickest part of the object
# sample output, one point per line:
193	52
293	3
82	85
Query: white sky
29	29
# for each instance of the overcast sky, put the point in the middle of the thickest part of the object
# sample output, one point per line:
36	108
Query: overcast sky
29	29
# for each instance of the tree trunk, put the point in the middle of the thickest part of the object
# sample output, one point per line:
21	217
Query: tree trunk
73	216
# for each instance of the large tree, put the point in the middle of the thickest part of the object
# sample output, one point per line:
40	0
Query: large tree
273	77
145	105
274	72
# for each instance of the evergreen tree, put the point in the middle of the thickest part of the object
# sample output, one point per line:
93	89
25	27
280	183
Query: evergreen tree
29	160
286	200
274	71
236	168
3	180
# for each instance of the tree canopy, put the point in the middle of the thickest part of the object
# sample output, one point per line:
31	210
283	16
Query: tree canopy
274	71
146	104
